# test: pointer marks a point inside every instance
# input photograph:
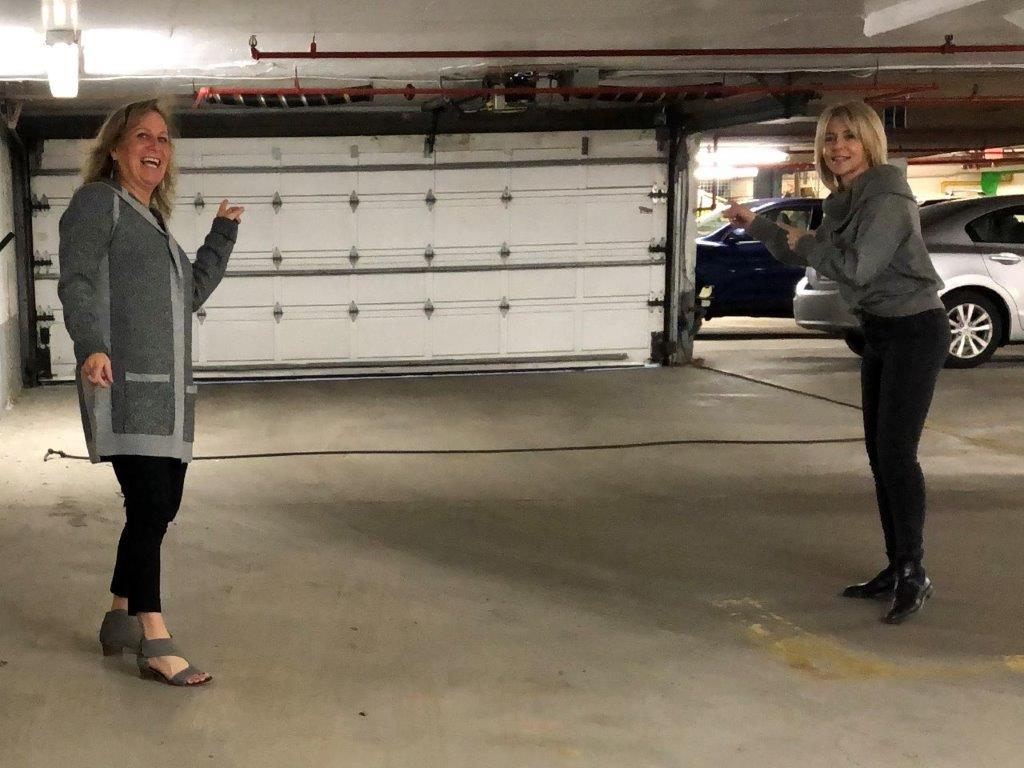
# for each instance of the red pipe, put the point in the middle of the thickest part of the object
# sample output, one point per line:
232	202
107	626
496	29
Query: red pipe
948	47
411	92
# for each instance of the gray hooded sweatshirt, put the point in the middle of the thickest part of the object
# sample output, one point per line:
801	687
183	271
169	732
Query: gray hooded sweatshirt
129	291
870	243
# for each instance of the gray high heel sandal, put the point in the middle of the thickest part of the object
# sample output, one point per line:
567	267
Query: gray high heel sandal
120	632
164	646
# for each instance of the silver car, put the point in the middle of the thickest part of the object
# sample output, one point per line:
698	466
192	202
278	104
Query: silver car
977	247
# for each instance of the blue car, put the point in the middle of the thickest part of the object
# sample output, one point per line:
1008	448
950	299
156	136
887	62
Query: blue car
745	279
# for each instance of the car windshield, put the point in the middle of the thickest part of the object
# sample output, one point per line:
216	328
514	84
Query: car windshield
711	221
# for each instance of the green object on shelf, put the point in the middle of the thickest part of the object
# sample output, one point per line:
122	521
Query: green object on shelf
990	182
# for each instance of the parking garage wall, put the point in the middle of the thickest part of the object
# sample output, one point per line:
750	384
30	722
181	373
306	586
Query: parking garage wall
10	358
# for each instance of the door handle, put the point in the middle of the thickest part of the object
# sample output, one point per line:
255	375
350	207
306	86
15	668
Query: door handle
1006	258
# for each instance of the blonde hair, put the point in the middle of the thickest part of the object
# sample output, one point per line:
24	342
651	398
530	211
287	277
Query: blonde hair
100	165
866	126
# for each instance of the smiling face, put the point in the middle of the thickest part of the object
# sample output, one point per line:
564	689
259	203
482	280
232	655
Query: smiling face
142	156
843	152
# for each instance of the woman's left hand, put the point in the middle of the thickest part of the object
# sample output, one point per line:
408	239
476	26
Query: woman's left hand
231	212
794	235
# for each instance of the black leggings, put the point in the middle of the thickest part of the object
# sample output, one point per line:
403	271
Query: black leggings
152	487
902	360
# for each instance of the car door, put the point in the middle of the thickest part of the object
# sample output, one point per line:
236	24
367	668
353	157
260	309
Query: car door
999	237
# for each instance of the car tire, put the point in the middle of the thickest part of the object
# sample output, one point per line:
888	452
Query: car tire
854	339
976	325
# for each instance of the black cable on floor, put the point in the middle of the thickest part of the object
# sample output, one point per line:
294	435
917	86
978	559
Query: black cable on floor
52	453
780	387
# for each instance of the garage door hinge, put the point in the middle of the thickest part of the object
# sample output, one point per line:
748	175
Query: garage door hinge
277	258
44	316
428	254
353	255
504	306
506	196
430	199
353	201
504	252
657	246
277	202
199	202
201	315
42	261
40	203
428	308
657	194
278	313
656	301
353	310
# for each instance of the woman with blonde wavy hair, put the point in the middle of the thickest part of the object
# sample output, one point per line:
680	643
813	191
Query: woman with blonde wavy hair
128	292
870	243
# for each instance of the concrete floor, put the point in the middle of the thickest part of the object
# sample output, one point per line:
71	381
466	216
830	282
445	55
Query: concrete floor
671	606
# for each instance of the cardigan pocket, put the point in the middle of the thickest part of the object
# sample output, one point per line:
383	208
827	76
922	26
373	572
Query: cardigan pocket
143	404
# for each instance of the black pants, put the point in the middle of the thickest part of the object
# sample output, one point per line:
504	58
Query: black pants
902	360
152	489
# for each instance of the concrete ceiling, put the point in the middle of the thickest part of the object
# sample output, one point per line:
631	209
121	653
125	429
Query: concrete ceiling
206	43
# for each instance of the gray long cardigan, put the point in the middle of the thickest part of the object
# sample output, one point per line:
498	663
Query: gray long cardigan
129	290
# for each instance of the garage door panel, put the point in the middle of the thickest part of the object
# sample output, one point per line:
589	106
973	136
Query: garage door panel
45	228
542	284
471	286
618	221
417	182
318	184
551	222
46	295
316	227
256	233
390	289
532	331
315	290
492	180
467	224
564	177
303	339
617	281
243	292
381	337
623	175
238	338
614	328
465	333
62	349
248	186
395	226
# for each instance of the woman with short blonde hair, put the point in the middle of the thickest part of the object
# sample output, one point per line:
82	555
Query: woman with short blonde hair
870	243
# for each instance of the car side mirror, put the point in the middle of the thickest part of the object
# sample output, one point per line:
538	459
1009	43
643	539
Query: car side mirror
734	236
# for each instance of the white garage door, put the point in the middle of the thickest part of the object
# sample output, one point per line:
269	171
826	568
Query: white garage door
363	254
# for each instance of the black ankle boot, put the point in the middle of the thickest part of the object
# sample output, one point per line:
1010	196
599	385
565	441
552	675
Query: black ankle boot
913	587
880	587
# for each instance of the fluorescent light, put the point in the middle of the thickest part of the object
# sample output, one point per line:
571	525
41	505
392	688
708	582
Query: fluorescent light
62	69
22	52
130	51
723	172
739	154
60	14
907	12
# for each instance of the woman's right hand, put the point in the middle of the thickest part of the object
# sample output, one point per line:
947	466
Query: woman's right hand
738	215
96	370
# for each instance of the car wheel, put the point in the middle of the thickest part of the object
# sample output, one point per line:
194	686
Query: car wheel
976	326
855	341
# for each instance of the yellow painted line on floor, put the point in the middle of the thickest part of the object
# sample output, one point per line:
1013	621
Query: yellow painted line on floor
828	658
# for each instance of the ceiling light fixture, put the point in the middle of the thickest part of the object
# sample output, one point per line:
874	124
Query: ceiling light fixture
63	55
